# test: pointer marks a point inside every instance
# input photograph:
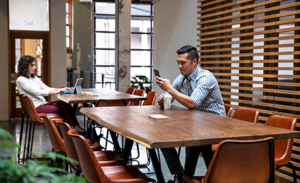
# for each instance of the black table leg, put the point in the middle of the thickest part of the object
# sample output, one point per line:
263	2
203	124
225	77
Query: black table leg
127	149
115	142
75	106
193	156
156	166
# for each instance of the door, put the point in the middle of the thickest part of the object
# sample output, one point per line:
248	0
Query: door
36	45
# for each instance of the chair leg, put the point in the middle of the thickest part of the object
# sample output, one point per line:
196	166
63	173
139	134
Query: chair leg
294	171
29	139
26	140
21	136
32	137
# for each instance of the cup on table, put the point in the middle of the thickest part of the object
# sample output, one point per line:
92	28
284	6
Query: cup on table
167	101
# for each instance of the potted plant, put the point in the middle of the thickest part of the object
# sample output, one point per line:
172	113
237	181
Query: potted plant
141	82
32	170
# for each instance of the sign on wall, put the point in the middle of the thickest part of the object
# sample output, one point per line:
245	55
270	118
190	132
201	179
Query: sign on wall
29	15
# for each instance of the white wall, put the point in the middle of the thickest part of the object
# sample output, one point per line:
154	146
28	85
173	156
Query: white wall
57	49
4	61
175	25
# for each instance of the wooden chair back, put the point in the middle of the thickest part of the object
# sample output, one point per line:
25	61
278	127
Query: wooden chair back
57	142
241	161
30	109
131	90
246	114
151	97
228	109
139	92
283	147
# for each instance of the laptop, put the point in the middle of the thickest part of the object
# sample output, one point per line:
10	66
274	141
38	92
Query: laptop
77	87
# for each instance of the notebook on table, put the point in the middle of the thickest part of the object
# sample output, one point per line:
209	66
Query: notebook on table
77	87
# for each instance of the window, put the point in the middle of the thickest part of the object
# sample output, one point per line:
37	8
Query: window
69	25
104	42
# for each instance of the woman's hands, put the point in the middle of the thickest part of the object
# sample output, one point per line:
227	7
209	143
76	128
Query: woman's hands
58	90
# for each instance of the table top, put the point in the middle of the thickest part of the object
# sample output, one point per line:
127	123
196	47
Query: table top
102	94
183	127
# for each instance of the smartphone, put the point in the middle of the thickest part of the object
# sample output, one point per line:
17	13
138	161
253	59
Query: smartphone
156	72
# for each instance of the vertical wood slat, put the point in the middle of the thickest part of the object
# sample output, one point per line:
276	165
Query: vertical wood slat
252	48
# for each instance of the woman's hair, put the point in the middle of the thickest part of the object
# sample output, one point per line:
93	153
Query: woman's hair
23	65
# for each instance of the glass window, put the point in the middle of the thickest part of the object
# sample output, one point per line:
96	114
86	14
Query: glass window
104	42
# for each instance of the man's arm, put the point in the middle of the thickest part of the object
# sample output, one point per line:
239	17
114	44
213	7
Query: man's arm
185	100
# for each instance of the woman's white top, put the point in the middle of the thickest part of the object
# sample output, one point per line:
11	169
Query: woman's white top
34	88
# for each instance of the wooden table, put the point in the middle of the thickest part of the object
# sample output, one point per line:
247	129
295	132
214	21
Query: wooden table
102	94
183	128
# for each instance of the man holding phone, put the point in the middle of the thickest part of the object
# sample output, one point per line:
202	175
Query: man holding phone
194	88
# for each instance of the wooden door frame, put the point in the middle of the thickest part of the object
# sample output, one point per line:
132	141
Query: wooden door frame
46	69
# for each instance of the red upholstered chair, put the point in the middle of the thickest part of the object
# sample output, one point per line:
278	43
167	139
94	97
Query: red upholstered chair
151	97
94	172
240	161
139	92
283	148
131	90
35	120
105	158
246	114
228	109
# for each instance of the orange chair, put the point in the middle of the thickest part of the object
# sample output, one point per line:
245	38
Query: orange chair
35	120
228	109
245	114
240	161
283	148
151	97
56	140
94	172
131	90
139	92
105	158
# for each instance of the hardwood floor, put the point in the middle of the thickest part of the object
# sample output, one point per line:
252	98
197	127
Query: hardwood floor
42	142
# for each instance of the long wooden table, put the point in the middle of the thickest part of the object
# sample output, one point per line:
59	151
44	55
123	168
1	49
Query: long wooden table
101	94
183	128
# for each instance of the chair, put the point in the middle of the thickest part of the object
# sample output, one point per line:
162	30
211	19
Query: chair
283	148
240	161
139	92
35	120
105	158
228	109
246	114
131	90
104	103
151	97
94	172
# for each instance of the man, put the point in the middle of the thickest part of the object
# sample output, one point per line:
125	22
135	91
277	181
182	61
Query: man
196	89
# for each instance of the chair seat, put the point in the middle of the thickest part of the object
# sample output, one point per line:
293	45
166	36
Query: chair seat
95	146
124	174
109	158
193	179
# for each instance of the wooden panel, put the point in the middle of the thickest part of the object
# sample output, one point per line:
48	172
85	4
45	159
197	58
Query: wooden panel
253	50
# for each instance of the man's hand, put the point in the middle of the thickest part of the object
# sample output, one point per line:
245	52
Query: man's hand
160	100
164	84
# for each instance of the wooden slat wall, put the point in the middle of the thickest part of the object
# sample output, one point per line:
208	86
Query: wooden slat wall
253	49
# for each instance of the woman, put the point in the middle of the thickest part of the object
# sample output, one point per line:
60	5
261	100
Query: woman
28	83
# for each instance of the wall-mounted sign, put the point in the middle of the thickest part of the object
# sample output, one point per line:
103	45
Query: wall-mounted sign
29	15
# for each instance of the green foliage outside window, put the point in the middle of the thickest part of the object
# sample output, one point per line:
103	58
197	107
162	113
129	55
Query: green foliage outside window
141	82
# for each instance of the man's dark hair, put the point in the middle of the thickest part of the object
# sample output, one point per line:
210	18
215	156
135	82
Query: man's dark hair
23	65
190	50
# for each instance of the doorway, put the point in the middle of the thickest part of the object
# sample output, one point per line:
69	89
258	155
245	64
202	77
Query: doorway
36	45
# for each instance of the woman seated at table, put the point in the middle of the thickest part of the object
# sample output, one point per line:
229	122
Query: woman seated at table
28	83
